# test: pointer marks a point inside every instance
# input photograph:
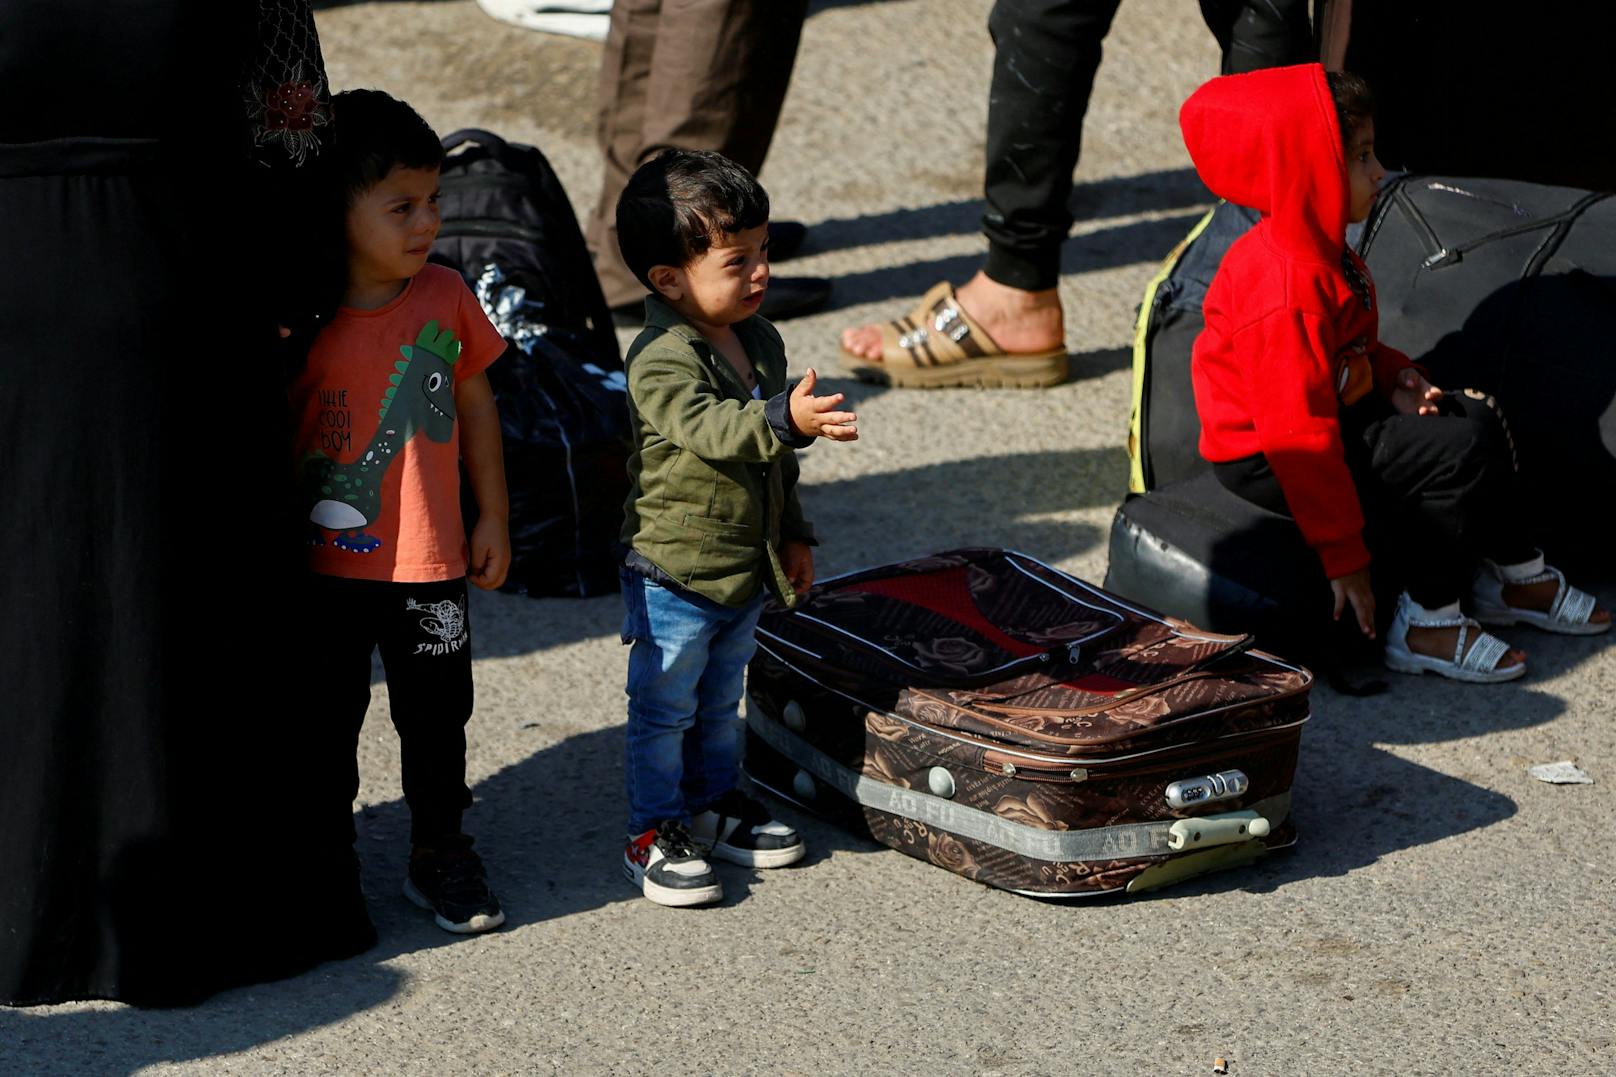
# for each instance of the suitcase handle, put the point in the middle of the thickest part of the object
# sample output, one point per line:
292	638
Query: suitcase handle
1209	830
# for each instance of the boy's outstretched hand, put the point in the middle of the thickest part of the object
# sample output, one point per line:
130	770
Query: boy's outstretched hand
1414	395
490	544
1354	589
816	416
797	559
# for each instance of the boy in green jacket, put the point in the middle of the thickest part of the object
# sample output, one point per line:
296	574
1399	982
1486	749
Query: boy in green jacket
712	521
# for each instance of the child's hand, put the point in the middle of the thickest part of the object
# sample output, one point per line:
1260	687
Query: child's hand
490	553
797	558
1354	588
813	415
1414	395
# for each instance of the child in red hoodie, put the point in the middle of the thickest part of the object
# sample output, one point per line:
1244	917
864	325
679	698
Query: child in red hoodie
1305	412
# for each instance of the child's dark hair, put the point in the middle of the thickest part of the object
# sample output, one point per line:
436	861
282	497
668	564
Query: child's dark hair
1354	102
678	203
374	133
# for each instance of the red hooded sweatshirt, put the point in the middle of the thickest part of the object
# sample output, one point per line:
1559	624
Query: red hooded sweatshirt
1288	332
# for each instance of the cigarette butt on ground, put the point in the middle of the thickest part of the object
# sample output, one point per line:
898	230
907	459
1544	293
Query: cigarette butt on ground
1220	1065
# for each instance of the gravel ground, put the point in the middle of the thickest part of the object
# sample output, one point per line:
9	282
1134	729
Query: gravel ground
1444	912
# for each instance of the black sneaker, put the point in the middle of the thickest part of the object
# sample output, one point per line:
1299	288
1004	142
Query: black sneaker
664	864
451	882
739	829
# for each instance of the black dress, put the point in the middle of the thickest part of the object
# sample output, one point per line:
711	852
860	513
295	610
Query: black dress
151	846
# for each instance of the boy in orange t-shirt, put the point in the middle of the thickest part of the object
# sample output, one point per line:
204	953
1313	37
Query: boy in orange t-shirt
392	400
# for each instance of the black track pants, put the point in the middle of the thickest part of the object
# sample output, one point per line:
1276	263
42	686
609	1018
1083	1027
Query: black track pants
1046	53
425	641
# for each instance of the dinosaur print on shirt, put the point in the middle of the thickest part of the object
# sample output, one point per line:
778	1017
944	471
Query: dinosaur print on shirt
377	447
420	398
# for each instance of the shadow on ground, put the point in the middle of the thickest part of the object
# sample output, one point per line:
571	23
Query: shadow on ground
552	852
1102	248
986	501
551	849
1170	189
871	520
1355	802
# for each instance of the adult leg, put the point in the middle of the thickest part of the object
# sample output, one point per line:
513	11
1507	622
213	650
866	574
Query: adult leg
318	753
625	74
1046	55
692	74
1255	34
341	634
1045	58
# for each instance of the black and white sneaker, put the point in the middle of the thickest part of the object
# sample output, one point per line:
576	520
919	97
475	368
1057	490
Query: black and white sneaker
739	829
452	883
665	865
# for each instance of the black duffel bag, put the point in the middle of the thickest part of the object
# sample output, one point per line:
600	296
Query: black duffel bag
1510	288
509	228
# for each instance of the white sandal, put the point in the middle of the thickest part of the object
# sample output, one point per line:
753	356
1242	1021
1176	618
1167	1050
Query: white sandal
1569	614
1478	665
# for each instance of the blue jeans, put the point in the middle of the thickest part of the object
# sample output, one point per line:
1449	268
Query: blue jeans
686	673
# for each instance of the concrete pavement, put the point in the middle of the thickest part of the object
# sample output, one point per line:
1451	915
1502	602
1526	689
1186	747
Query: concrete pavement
1444	912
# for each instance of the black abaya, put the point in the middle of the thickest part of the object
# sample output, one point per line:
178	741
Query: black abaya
151	849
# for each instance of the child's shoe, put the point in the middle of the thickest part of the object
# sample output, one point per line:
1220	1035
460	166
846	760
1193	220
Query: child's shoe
1476	663
1571	612
739	829
665	865
452	883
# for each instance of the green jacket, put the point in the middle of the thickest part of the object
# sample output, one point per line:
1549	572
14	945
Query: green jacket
714	471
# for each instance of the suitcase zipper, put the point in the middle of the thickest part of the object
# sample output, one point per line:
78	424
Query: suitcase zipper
1196	757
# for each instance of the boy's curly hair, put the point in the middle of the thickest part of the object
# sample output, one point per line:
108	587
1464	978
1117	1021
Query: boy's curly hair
1354	102
679	203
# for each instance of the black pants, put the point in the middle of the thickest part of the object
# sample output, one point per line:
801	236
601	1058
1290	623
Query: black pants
425	641
1046	54
1438	492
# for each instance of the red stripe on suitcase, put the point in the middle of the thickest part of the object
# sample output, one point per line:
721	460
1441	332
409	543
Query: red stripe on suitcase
948	594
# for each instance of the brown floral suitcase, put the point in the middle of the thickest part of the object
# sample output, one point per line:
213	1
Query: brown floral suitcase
987	713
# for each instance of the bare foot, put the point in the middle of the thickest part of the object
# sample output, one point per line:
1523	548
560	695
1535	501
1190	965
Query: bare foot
1540	596
1017	321
1440	642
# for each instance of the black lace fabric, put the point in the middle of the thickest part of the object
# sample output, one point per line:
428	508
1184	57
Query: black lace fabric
288	100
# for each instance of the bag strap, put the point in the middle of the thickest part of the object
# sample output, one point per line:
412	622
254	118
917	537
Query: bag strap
474	134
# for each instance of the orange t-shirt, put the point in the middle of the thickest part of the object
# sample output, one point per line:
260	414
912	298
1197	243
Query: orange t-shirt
378	447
